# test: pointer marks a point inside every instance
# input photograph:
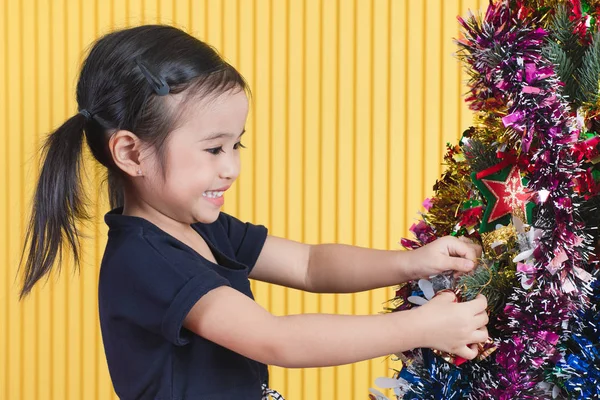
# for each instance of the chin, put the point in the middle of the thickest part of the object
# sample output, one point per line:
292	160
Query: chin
207	217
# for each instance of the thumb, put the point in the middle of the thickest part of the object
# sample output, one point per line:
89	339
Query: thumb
460	264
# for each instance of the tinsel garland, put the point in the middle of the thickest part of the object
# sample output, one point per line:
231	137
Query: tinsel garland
546	329
578	371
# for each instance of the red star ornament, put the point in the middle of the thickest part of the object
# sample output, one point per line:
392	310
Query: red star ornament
510	195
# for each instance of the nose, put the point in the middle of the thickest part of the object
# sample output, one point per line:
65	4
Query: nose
230	166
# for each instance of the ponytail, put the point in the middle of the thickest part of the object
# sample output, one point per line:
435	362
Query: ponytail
57	204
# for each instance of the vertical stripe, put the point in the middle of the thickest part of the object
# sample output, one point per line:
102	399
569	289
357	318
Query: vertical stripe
459	82
440	72
12	186
328	159
424	99
277	186
5	357
36	145
83	270
53	323
21	179
346	169
389	170
65	329
269	118
5	337
407	215
295	133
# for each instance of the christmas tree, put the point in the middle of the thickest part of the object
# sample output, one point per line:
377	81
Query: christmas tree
524	182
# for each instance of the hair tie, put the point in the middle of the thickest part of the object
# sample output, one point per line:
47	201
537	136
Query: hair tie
86	114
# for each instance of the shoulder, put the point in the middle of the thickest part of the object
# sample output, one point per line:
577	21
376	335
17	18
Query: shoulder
239	240
228	228
136	252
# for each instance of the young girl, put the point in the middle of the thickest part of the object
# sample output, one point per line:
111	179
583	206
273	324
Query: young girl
165	114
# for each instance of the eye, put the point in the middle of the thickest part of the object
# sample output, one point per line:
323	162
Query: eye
238	145
216	150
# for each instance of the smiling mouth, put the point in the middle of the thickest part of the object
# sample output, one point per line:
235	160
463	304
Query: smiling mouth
213	194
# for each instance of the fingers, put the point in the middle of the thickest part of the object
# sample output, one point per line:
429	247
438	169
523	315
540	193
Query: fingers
472	244
465	248
467	352
478	249
474	347
481	319
465	239
461	264
478	304
447	296
471	351
465	325
462	256
480	335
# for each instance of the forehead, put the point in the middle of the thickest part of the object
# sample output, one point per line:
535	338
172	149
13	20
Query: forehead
224	112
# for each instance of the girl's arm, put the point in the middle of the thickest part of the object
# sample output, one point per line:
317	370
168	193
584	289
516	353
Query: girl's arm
234	321
336	268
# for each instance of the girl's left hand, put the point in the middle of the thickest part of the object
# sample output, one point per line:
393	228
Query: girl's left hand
445	254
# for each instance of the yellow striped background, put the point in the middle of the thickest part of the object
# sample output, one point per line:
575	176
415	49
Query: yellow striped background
353	102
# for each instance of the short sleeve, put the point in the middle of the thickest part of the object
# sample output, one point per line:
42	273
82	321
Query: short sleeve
155	293
246	239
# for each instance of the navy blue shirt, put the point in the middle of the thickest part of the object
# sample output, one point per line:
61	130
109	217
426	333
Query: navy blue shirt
149	281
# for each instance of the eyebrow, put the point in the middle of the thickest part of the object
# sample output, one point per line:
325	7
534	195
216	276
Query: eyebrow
219	135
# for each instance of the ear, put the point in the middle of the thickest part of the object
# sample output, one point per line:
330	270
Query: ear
126	150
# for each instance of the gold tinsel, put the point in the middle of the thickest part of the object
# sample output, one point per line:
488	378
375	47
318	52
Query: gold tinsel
450	191
496	243
488	127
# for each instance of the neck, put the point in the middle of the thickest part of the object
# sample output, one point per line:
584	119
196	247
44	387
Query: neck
135	205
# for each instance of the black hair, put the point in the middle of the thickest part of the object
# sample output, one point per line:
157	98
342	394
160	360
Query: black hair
123	85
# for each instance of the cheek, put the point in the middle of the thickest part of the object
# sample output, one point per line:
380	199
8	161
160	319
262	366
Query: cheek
238	162
189	173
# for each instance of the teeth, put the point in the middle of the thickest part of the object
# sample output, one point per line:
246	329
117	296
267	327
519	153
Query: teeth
212	195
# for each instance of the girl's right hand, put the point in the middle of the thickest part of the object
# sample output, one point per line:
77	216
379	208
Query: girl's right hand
454	327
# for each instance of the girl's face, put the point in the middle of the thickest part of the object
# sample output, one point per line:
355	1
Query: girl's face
202	159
